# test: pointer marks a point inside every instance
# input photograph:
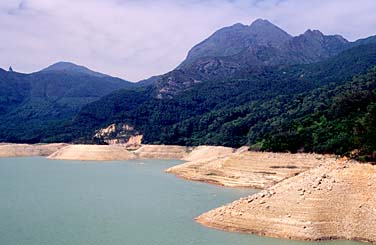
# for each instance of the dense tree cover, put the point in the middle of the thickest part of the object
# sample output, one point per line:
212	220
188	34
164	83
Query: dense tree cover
13	89
335	119
310	121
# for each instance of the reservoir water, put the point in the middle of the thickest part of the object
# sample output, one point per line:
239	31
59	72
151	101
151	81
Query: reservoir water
111	203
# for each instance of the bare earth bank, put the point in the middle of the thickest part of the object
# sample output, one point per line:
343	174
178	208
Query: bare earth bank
332	201
162	152
26	150
93	153
118	152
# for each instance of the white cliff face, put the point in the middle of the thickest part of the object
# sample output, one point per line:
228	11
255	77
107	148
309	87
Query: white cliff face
120	134
105	131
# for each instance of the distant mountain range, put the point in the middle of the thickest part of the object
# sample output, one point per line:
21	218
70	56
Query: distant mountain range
243	85
55	94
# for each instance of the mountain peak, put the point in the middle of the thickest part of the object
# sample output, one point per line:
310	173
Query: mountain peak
238	25
313	33
234	39
268	34
263	25
318	35
261	22
71	68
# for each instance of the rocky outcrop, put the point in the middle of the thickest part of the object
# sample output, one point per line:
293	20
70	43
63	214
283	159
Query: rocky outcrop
162	152
333	201
93	153
119	134
243	168
26	150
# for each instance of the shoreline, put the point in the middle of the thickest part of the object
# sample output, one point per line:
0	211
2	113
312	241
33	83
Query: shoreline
308	197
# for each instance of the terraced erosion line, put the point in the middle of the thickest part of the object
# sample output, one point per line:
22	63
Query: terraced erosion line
242	168
332	201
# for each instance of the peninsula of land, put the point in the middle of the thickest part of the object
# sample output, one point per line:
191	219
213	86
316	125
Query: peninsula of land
335	200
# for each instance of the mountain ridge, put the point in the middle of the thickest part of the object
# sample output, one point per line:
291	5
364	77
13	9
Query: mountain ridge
241	50
69	67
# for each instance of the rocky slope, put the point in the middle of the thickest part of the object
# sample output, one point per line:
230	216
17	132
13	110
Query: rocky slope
25	150
332	201
119	134
243	168
240	50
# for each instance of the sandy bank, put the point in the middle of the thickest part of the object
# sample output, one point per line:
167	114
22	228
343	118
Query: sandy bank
118	152
93	153
241	168
208	152
162	152
26	150
332	201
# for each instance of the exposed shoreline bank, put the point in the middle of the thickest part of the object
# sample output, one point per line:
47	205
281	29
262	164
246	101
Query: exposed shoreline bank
94	152
28	150
331	202
241	168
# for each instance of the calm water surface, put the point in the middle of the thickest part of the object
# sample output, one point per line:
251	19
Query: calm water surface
128	203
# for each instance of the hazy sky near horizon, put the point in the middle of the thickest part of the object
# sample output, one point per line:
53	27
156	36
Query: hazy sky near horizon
136	39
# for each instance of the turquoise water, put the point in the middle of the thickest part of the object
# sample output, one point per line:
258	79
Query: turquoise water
118	203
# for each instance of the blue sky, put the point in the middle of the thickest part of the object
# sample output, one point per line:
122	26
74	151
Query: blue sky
137	39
